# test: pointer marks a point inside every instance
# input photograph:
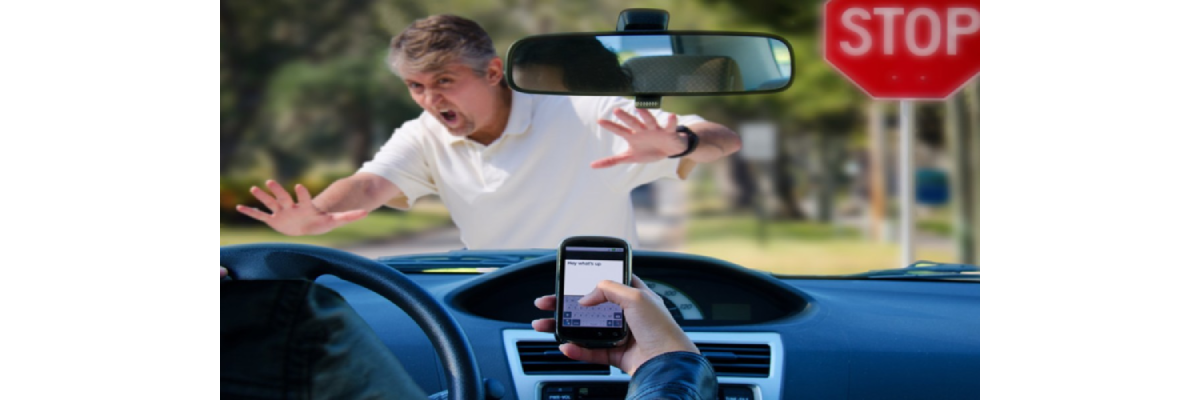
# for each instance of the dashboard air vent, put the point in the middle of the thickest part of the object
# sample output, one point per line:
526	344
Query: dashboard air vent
748	360
543	358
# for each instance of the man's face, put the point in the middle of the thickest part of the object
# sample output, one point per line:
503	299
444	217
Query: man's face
458	97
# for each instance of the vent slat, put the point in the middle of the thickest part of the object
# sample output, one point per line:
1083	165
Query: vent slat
741	360
765	357
742	374
745	366
755	348
544	358
727	359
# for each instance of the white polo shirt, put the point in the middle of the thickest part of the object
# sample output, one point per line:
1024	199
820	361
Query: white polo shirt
534	185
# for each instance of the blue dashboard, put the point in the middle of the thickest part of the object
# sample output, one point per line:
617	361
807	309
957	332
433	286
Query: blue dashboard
825	338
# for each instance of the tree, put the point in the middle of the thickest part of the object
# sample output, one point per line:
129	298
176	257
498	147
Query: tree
259	37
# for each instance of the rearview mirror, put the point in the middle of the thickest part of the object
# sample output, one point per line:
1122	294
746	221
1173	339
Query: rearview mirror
650	63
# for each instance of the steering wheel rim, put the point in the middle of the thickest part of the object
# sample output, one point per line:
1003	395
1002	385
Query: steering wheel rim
278	261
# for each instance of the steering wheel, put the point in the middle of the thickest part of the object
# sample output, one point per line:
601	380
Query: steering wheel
277	261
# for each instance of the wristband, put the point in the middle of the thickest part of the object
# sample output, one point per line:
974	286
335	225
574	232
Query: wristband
692	141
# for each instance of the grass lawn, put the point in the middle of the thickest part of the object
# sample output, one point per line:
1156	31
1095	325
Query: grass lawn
793	247
378	225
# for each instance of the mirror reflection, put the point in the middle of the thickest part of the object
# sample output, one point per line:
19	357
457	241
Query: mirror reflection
663	64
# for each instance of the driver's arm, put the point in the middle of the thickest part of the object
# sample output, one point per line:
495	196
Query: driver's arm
716	141
361	191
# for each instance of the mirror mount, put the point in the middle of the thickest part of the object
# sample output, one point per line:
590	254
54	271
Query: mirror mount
648	101
644	19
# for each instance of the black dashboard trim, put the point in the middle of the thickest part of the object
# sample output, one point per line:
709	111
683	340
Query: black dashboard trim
793	301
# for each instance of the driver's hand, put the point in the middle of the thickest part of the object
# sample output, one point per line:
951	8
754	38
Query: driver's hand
652	330
648	142
295	218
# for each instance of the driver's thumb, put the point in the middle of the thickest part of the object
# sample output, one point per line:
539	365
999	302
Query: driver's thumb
608	290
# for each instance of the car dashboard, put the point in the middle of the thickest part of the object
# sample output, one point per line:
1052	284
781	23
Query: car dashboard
767	337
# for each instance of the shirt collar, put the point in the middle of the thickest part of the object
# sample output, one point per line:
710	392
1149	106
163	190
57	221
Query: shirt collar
519	117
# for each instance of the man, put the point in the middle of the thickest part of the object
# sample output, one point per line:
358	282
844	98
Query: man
512	168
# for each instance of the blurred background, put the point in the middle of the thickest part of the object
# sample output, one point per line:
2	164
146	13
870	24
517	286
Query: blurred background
306	98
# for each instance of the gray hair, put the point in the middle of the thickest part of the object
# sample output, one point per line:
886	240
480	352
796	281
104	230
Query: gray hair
436	42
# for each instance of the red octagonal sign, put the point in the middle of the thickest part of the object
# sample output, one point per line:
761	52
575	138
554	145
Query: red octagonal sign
903	49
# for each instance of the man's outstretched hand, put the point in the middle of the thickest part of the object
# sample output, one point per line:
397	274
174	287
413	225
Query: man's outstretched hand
295	218
648	142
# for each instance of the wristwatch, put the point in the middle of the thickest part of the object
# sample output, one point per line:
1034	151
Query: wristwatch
692	141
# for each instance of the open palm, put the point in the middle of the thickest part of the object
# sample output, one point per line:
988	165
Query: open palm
295	218
648	142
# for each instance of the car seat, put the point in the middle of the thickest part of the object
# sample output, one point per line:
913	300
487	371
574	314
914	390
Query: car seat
684	74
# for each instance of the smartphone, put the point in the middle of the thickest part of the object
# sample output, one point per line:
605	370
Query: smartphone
584	261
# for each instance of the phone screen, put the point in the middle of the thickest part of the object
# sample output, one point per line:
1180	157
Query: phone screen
583	268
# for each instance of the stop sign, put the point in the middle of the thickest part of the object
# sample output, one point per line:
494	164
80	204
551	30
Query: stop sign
903	49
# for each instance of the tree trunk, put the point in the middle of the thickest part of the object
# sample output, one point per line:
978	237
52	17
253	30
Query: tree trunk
964	145
743	181
831	157
875	171
785	185
825	177
972	190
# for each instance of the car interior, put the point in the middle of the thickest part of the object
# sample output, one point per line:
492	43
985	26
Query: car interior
459	321
889	334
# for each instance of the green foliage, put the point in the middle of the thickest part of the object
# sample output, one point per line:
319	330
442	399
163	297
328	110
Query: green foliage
942	228
236	190
258	38
800	17
378	225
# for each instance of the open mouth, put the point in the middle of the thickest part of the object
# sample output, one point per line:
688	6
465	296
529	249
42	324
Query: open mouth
449	116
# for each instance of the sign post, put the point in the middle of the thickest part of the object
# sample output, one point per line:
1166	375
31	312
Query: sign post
903	50
905	185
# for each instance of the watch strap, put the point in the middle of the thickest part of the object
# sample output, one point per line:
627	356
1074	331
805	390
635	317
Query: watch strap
692	141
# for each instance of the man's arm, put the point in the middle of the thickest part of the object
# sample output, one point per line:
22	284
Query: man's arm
361	191
347	200
716	141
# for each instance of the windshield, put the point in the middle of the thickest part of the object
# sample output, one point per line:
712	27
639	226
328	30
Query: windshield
814	190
